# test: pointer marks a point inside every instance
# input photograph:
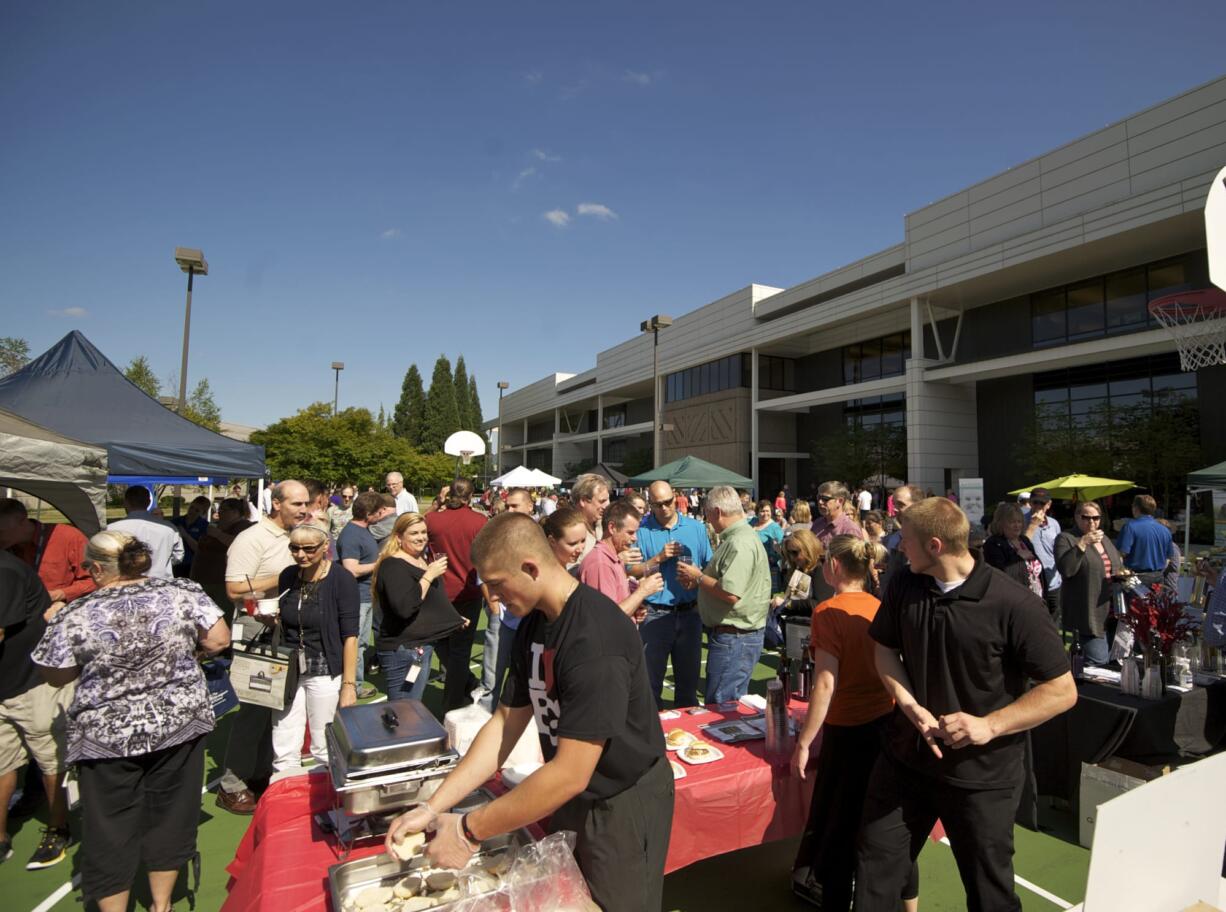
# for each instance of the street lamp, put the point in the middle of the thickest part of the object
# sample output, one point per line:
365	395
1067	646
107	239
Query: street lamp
502	385
193	263
337	366
653	326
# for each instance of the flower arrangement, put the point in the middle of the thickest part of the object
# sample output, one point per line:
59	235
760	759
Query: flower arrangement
1157	620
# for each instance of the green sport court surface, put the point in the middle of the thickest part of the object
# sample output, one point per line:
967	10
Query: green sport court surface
1050	866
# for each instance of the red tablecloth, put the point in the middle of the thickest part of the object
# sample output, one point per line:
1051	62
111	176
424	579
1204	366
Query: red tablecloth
739	801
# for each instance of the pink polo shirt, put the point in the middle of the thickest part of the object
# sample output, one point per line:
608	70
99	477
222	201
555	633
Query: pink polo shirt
604	572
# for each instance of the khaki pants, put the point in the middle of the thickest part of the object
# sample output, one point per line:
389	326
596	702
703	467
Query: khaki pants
37	721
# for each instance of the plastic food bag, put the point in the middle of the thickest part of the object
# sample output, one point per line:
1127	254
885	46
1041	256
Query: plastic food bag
544	875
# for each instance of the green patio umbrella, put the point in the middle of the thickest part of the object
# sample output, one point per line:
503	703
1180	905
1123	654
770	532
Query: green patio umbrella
692	472
1080	487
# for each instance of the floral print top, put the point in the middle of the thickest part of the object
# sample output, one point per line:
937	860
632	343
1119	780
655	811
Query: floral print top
141	688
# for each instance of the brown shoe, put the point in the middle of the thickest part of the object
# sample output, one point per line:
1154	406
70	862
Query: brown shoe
237	803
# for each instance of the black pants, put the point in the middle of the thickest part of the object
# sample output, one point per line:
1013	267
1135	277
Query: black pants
248	748
899	813
138	809
1052	598
826	860
454	654
623	841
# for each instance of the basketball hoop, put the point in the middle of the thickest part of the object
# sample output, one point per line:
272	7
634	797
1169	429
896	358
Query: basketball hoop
464	445
466	456
1197	320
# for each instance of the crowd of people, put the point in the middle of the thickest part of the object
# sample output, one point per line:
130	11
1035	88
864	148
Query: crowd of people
935	644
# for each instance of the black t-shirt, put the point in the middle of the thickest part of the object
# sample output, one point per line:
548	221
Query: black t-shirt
408	619
23	599
971	650
584	677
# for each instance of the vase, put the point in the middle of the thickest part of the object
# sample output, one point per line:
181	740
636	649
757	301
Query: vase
1153	680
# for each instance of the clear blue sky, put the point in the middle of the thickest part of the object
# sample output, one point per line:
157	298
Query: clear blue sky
371	182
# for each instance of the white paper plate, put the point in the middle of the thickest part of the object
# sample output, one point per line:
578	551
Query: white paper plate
715	754
690	739
669	714
678	770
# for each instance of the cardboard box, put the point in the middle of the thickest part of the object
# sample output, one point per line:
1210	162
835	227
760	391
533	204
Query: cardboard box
1104	781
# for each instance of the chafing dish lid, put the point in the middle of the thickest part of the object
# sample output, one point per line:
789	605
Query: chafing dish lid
384	735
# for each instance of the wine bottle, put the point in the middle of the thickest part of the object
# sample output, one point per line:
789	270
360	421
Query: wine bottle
1077	658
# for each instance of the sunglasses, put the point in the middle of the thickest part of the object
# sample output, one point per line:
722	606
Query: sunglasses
826	498
1090	518
305	549
663	503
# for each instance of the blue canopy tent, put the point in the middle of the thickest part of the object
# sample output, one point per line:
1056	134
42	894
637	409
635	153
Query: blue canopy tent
72	388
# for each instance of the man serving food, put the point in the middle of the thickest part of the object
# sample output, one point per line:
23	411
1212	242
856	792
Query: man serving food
576	671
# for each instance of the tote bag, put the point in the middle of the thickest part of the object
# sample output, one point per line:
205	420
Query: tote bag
265	674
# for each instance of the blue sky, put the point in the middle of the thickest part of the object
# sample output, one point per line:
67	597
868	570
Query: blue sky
520	183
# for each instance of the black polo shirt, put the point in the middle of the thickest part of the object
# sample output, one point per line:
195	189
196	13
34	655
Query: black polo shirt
971	650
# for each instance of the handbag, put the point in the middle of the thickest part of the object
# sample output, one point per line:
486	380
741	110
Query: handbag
221	691
265	674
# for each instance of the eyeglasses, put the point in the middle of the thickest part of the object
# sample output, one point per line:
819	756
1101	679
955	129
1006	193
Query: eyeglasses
663	503
825	498
305	549
1090	517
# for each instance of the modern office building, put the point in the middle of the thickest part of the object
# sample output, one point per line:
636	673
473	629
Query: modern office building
1024	294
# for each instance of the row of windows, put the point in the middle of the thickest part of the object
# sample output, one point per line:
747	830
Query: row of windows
874	411
876	358
731	372
1108	305
1096	397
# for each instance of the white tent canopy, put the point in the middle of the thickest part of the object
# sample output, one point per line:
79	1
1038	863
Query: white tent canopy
524	477
542	479
66	473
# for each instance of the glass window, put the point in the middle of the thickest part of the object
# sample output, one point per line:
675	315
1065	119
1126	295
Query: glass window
1048	317
746	369
1167	278
1042	397
892	356
1085	310
1088	391
1130	386
870	360
851	364
1126	301
725	373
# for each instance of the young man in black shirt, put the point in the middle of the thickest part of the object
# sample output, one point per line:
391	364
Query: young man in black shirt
577	672
957	644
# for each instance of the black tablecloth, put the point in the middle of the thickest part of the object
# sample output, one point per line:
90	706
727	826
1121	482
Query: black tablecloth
1106	723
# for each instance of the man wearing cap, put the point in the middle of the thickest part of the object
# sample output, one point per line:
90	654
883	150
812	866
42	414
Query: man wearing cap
1043	530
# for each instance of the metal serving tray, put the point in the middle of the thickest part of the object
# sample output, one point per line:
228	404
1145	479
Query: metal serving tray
383	736
381	870
384	790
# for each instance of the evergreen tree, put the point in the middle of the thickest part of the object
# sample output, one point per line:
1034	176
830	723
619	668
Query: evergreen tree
409	416
463	407
442	414
474	404
140	373
381	421
14	353
202	408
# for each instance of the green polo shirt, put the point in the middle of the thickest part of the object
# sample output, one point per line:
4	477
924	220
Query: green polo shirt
740	564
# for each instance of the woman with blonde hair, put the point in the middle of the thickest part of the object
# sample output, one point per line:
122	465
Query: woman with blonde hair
1010	551
139	717
319	616
850	706
407	587
801	518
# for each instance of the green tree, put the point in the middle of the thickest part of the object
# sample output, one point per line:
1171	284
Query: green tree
14	354
442	414
474	405
382	419
853	453
409	415
140	373
462	404
349	447
202	408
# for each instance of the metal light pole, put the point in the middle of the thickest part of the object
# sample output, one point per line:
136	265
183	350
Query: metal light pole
192	262
337	366
653	326
502	386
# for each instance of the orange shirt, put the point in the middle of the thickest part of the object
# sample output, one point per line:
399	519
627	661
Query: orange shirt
840	627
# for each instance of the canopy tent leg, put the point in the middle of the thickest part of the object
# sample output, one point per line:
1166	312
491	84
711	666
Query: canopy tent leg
259	496
1187	527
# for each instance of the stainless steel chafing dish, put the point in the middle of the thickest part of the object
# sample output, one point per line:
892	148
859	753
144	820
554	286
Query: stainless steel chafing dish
385	756
349	879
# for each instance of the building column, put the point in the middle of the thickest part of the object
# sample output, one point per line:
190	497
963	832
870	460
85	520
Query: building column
599	428
753	419
917	330
942	429
553	456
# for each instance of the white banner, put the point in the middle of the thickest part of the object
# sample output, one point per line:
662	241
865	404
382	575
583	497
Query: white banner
970	498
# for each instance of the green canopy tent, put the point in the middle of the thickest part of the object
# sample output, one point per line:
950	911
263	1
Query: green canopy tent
1200	481
692	472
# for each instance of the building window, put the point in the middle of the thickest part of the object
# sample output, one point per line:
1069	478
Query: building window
615	417
876	358
877	411
711	377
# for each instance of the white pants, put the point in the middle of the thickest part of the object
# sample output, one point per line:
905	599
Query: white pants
314	703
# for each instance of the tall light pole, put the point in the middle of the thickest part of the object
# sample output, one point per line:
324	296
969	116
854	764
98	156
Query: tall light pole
653	326
337	366
502	386
192	262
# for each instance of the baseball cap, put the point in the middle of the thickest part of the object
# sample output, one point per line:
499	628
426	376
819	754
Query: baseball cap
1040	495
1025	495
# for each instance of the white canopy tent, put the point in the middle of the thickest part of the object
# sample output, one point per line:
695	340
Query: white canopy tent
66	473
518	477
542	479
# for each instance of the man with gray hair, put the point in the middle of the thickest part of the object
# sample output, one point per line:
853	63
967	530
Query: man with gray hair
254	563
734	591
590	495
405	501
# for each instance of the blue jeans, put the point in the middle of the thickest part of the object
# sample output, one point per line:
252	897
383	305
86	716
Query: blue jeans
364	615
730	661
676	633
495	657
1097	650
396	667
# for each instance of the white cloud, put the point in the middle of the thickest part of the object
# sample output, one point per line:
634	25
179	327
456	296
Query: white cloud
534	77
542	155
596	210
574	90
635	78
70	312
521	177
390	234
557	217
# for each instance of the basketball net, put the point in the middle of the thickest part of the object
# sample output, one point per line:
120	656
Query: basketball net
466	456
1197	321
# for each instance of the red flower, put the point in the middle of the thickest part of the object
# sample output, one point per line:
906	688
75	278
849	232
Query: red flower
1157	620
